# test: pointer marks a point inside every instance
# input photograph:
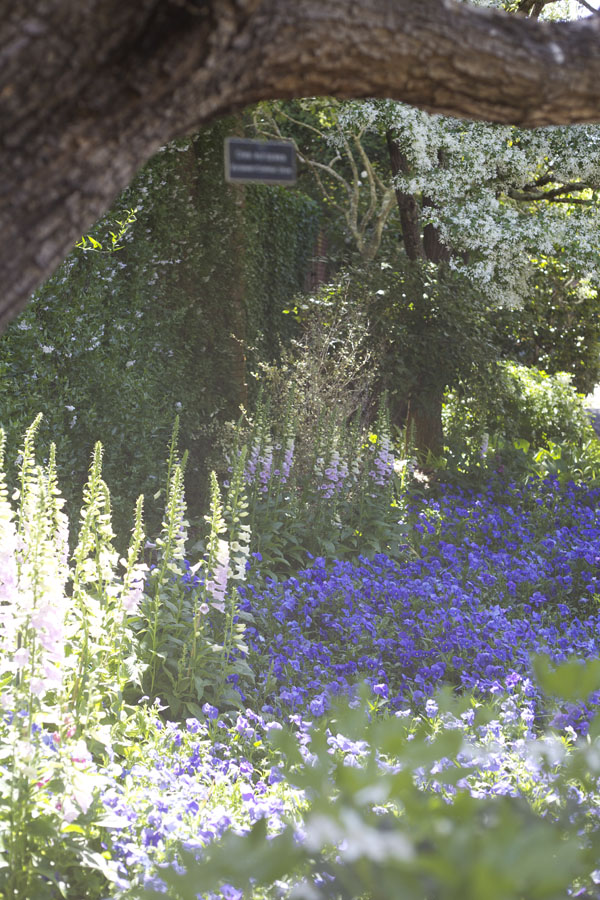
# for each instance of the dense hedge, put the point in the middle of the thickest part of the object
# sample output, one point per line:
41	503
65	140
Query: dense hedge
116	343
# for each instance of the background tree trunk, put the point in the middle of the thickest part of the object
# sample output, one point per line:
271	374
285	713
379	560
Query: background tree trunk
408	207
425	420
422	411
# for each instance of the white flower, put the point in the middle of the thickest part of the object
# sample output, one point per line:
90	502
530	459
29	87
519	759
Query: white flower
217	586
21	658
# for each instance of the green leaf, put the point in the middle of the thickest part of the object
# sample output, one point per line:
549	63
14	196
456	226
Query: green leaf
77	829
573	680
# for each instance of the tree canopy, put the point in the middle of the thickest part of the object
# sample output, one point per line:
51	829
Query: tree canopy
89	91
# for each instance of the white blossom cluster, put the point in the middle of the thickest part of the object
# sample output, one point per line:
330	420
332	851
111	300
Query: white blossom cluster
478	179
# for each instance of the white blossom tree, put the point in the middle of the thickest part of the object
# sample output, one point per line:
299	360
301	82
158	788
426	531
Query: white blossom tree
496	196
480	200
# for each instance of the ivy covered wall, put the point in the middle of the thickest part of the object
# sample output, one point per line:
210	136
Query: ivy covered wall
115	344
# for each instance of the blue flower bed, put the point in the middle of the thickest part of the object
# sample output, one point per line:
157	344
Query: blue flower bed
491	579
488	579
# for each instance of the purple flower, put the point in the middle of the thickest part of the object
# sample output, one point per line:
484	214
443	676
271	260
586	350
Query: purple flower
211	712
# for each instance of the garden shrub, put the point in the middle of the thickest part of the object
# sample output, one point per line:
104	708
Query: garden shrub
523	405
539	408
556	327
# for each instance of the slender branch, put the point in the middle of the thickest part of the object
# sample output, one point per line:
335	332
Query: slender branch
302	124
373	198
572	200
305	160
387	206
588	6
539	182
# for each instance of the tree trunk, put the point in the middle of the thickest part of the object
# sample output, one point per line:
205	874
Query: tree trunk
408	207
425	421
435	249
88	91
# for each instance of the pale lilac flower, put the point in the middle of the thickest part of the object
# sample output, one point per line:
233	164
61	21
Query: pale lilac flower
252	462
485	442
266	468
37	687
431	708
133	598
52	676
8	548
383	462
336	474
21	658
287	460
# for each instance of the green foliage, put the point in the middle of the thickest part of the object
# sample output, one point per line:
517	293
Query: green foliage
280	229
406	330
331	365
430	325
114	344
189	631
532	424
527	419
557	327
91	244
377	829
573	680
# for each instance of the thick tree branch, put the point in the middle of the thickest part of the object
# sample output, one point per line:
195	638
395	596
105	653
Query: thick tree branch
88	91
555	195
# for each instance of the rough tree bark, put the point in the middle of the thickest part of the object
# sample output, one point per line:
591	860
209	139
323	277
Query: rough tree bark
408	207
421	411
88	91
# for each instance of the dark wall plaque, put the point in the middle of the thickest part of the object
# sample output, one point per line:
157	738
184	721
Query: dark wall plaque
266	162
